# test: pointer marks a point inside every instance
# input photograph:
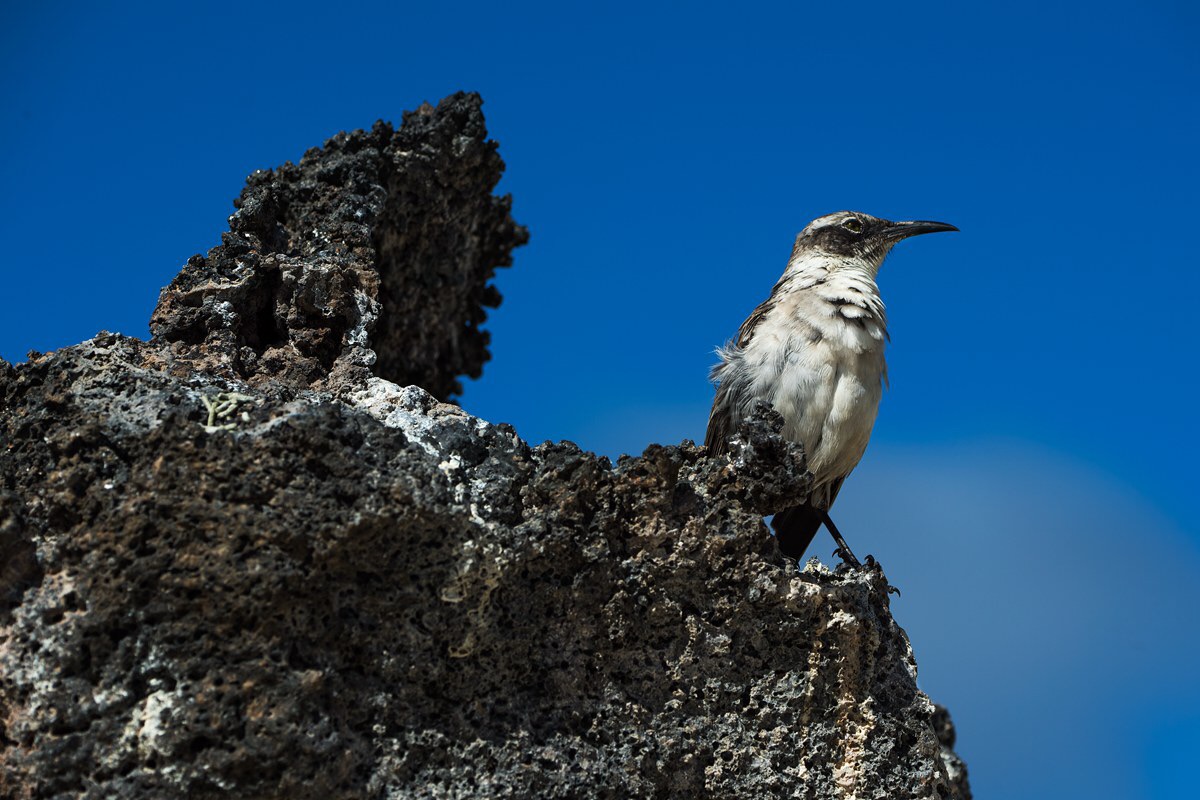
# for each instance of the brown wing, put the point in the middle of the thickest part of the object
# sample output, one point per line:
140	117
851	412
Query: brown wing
746	332
716	439
720	418
835	486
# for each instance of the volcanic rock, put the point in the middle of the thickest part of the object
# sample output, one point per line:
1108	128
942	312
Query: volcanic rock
260	556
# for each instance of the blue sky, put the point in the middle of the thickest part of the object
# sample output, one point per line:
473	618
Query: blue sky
1031	481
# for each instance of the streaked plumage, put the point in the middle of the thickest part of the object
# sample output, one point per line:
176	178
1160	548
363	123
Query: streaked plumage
815	351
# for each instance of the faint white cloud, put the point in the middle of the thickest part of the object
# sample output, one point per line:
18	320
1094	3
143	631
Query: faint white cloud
1051	607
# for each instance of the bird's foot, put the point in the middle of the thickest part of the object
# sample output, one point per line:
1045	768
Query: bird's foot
843	552
871	563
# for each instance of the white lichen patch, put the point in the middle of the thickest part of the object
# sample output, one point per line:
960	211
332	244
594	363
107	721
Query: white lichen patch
426	422
400	407
226	312
223	412
474	582
814	567
368	311
151	721
844	619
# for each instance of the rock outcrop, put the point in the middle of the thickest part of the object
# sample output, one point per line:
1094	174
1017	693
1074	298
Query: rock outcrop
258	556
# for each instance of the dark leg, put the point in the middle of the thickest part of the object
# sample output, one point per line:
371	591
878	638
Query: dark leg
843	549
795	528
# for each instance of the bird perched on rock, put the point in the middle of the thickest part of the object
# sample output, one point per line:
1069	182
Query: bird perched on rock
814	351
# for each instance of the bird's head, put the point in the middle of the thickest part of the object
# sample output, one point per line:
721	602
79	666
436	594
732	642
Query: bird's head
857	239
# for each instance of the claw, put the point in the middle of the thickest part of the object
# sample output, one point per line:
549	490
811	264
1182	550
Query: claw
845	555
843	550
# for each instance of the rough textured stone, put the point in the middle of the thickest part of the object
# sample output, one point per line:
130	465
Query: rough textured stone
238	562
375	251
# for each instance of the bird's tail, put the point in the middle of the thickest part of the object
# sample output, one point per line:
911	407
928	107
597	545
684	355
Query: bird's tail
795	528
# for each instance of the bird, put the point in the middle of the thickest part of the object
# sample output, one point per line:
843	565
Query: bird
814	350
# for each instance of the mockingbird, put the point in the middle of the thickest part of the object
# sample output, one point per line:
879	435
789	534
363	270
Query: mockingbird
814	351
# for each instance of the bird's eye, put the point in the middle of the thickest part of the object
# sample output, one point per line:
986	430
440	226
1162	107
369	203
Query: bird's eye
854	225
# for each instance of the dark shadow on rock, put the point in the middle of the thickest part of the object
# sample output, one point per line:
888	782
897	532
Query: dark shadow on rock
376	251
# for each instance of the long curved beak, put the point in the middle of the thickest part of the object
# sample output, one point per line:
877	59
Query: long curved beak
902	230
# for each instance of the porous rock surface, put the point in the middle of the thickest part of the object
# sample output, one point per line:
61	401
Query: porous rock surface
375	251
253	558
